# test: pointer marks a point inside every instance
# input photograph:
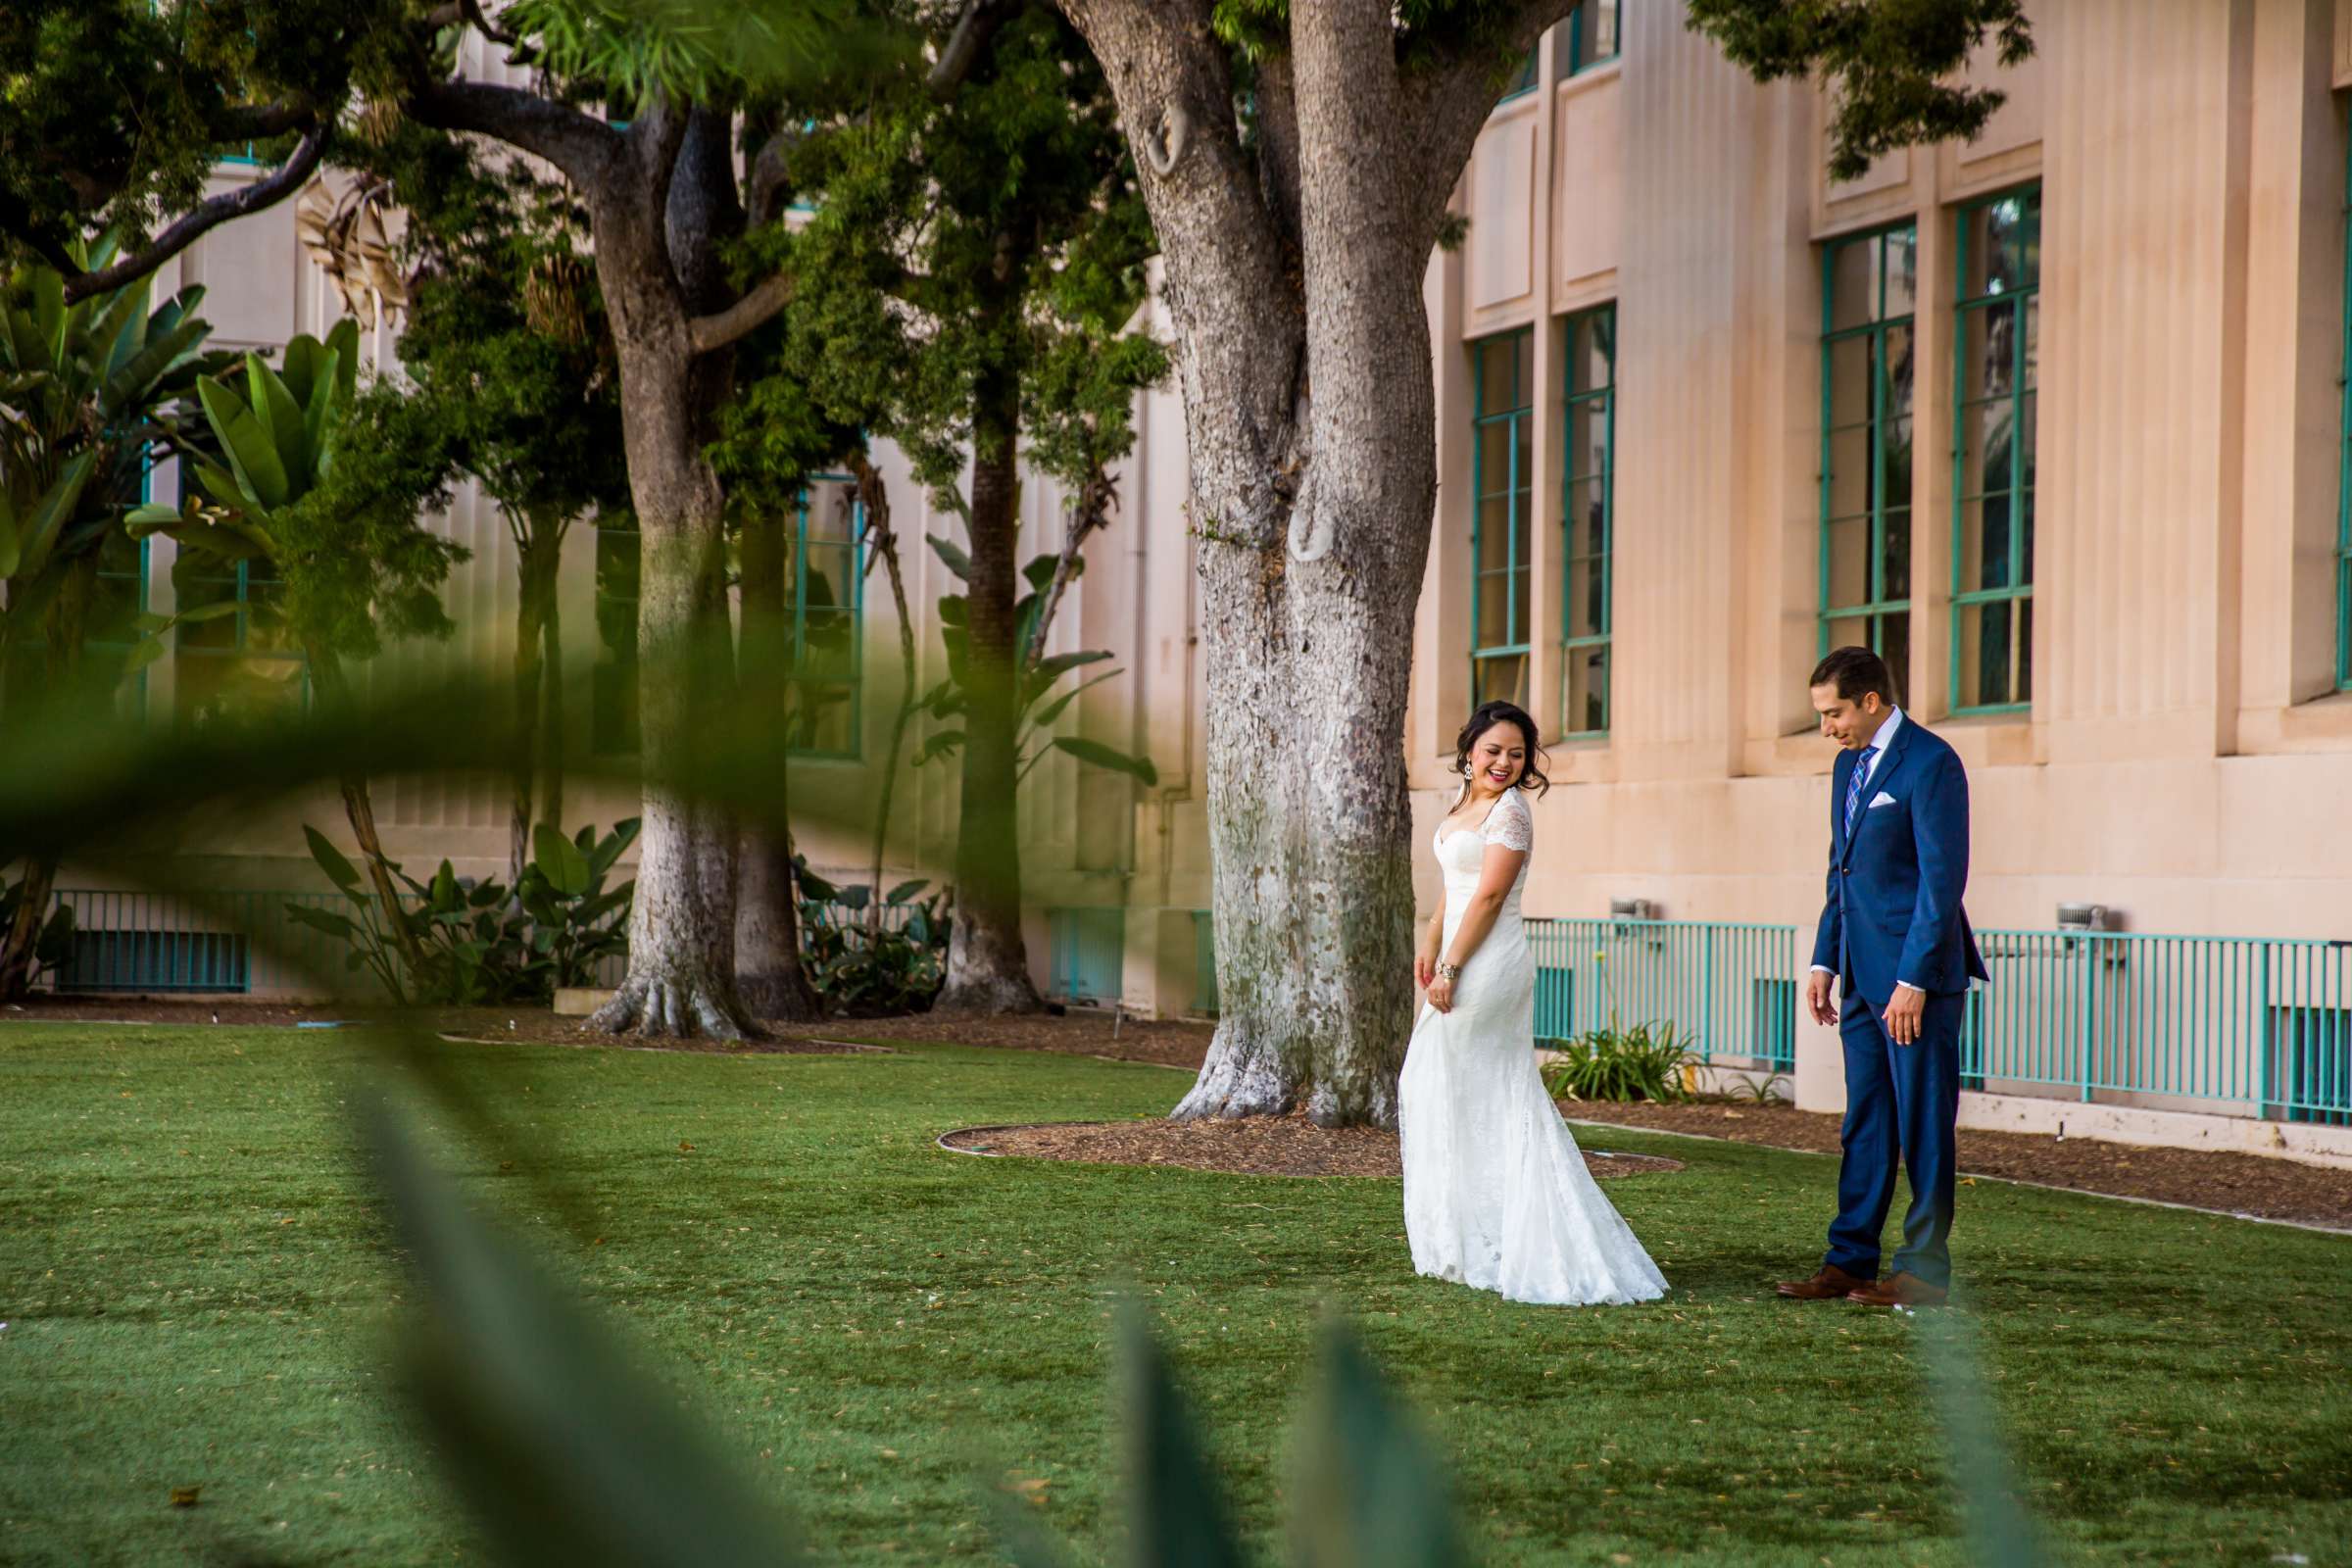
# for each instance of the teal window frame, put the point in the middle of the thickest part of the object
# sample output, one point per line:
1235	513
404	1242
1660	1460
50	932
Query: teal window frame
612	719
1878	608
854	606
1524	82
1579	60
2013	597
1603	482
2343	496
1517	497
240	579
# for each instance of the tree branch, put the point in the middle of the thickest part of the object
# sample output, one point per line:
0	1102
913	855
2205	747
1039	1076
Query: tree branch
259	122
722	328
207	214
1451	89
583	147
973	29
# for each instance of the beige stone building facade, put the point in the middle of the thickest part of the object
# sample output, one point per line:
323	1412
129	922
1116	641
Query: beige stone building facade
2056	420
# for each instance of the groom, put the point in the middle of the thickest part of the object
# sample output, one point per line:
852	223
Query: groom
1894	938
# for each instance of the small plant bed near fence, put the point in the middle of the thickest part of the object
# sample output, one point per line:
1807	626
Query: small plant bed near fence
2199	1178
1256	1146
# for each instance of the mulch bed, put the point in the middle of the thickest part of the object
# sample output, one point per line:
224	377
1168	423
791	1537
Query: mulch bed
2236	1184
1260	1145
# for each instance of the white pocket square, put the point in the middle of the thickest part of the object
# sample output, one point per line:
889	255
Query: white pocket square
1880	798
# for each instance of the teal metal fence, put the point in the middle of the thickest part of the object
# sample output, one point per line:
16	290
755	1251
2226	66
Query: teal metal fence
1730	986
132	941
2254	1023
1088	953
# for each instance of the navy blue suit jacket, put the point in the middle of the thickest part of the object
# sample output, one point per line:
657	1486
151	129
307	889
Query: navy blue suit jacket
1893	911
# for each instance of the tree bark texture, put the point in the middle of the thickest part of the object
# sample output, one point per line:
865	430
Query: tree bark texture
681	977
768	939
1302	350
988	964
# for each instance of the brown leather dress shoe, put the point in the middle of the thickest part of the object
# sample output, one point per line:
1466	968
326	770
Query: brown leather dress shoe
1901	1290
1831	1284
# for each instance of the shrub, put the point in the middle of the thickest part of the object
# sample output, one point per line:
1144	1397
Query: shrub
893	967
1646	1061
480	943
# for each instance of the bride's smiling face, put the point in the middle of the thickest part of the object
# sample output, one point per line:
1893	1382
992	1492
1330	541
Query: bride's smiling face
1497	758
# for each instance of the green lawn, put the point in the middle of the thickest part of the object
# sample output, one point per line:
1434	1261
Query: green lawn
197	1292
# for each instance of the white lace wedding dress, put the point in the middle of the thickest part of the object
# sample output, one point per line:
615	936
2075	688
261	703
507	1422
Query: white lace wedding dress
1495	1192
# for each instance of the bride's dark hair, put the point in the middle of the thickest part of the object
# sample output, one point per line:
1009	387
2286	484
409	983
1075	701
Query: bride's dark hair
1488	715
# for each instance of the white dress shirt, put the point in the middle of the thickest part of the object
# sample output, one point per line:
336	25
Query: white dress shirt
1879	744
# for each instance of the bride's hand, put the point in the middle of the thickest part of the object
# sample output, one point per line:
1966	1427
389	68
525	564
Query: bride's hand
1441	994
1425	969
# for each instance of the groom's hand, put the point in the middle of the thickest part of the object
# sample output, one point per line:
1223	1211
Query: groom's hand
1817	996
1904	1014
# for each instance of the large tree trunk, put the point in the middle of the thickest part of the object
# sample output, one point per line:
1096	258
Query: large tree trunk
988	965
768	935
1303	252
681	978
539	541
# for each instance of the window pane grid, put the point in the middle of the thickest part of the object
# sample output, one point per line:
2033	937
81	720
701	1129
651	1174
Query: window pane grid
1868	284
1992	452
1588	518
1501	373
1592	35
828	593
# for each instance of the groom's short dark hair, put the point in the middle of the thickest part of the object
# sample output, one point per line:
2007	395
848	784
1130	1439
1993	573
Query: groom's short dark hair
1855	670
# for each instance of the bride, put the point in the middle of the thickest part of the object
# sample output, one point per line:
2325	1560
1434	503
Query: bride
1495	1190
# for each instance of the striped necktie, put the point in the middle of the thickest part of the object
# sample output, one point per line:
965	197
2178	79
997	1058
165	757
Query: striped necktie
1854	787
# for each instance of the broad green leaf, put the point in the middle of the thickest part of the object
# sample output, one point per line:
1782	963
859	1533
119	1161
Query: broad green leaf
446	893
951	610
343	338
938	745
906	890
10	550
566	1451
122	326
951	555
153	517
283	421
560	861
326	920
1039	572
1177	1511
298	367
38	532
1053	711
1050	670
261	475
611	846
49	315
1101	755
1372	1489
146	651
340	872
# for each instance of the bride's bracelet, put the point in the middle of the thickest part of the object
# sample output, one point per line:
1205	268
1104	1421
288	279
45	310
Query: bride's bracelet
1448	971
